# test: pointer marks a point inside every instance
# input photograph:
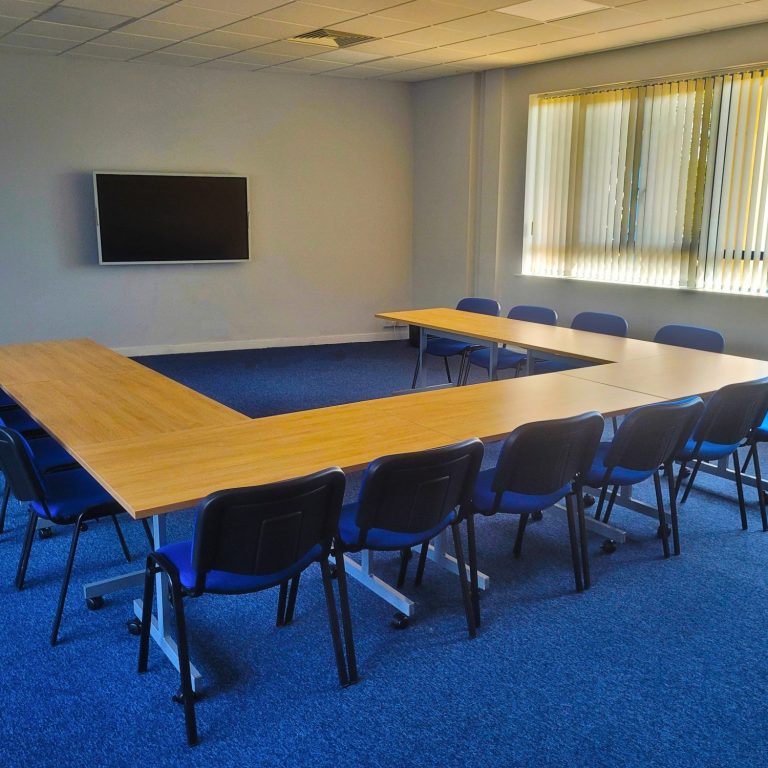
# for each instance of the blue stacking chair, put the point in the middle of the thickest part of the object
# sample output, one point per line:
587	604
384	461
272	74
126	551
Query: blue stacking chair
594	322
405	501
692	337
732	415
507	359
445	348
540	464
247	540
759	435
649	437
62	498
18	419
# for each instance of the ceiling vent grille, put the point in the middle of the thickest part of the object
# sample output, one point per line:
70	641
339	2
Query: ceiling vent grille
332	38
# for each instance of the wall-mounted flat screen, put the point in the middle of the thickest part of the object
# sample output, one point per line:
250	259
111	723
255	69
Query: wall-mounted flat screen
145	218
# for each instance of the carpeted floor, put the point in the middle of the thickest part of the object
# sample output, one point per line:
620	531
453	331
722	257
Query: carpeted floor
661	663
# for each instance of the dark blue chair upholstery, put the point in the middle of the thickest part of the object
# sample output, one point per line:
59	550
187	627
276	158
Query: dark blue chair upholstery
19	420
406	500
732	415
594	322
62	498
445	348
248	540
539	464
649	437
6	401
692	337
507	359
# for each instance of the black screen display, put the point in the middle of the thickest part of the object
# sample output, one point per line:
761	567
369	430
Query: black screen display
145	218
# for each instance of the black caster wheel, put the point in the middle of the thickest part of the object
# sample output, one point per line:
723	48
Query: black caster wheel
686	472
608	546
659	532
588	500
94	603
537	516
400	621
45	533
134	627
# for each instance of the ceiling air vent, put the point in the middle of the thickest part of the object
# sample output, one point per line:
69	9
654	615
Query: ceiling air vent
332	38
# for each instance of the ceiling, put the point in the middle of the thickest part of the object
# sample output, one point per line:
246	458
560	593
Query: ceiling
416	40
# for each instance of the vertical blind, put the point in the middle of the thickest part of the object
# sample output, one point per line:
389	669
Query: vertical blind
663	184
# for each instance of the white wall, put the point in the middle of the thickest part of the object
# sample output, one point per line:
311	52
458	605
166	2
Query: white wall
492	183
329	163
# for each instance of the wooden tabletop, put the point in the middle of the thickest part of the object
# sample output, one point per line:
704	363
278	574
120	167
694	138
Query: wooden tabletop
594	347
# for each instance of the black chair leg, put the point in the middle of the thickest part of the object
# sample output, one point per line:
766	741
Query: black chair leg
448	370
421	565
465	591
121	539
740	490
281	599
405	558
6	499
346	618
691	479
472	549
601	501
185	673
662	515
575	558
670	473
517	549
29	537
292	593
583	538
333	621
65	582
752	449
148	533
680	476
146	613
611	502
416	372
759	484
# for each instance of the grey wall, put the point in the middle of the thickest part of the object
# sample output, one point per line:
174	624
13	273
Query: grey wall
485	169
329	163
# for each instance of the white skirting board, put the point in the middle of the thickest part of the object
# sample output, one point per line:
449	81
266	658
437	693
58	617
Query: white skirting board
234	344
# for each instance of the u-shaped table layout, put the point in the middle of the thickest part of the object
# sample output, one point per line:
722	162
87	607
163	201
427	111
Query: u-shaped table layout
158	446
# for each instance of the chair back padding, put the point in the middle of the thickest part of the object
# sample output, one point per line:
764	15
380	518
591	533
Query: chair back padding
19	468
533	314
414	492
651	435
266	529
691	336
601	322
480	306
732	413
539	458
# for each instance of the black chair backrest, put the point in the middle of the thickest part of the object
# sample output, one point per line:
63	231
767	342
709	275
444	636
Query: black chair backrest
19	468
414	492
732	412
540	458
266	529
652	434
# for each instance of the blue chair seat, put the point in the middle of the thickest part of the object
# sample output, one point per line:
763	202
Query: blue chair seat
6	401
180	554
595	477
49	454
70	493
18	419
708	451
513	503
565	364
507	358
445	347
379	538
761	433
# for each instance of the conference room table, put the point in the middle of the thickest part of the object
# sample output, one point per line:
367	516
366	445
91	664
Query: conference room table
157	446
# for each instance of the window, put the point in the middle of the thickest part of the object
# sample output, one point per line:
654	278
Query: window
662	184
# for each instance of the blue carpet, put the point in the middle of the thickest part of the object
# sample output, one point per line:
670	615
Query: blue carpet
661	663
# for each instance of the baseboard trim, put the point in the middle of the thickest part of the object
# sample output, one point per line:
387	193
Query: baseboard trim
235	344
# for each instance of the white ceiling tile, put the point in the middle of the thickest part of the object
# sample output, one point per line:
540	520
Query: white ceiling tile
428	36
666	28
348	56
433	56
424	12
489	23
600	21
377	26
243	7
482	46
34	41
123	40
62	31
160	57
277	30
75	16
231	40
262	59
360	6
7	24
388	47
229	65
195	17
475	6
193	48
134	8
719	18
311	64
550	10
294	50
307	13
18	48
161	29
95	50
16	9
542	33
664	9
